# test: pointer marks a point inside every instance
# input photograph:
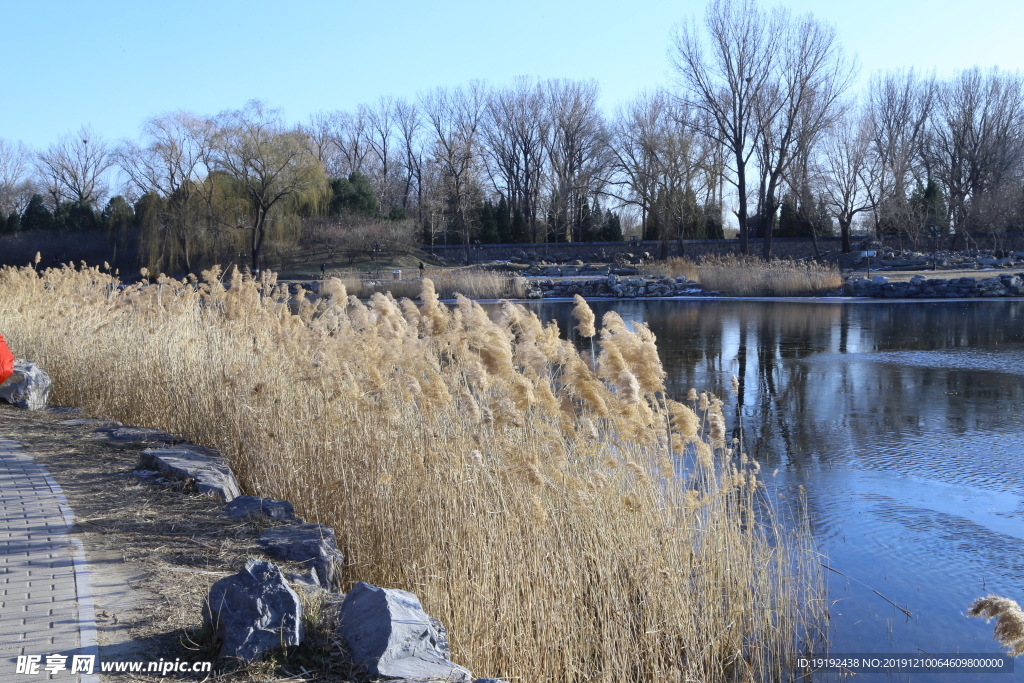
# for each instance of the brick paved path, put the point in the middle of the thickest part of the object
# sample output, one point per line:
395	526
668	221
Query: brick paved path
43	579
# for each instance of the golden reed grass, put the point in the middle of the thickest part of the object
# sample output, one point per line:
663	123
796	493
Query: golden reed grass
674	267
1009	630
476	284
752	276
533	497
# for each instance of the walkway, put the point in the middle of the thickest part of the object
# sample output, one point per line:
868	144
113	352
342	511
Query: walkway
43	578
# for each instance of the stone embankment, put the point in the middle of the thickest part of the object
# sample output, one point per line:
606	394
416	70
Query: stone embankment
615	286
1005	284
888	259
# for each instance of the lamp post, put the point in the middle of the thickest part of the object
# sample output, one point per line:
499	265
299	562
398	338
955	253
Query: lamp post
934	230
868	255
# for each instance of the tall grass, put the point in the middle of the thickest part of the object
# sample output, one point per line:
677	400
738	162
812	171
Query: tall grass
564	517
752	276
476	284
673	267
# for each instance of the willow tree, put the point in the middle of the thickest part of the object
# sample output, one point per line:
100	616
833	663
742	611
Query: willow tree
271	164
169	172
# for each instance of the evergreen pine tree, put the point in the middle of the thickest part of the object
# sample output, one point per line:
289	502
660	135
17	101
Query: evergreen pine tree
488	223
504	222
118	217
354	195
611	228
76	217
520	233
36	216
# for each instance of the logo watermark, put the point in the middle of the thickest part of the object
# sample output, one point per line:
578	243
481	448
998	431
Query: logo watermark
36	665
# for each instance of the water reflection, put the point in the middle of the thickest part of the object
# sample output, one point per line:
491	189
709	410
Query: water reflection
903	421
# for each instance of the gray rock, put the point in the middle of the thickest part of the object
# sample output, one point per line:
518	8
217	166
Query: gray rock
879	280
918	280
28	388
89	423
313	544
203	465
389	635
251	506
136	435
253	612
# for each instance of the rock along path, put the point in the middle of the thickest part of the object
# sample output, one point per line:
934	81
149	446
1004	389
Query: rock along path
45	599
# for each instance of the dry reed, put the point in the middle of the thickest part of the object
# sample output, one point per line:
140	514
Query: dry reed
1009	631
539	506
751	276
673	267
476	284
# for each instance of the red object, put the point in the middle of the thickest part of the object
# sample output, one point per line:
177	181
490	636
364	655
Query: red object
6	360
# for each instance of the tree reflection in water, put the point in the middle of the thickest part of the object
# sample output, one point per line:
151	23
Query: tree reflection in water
904	422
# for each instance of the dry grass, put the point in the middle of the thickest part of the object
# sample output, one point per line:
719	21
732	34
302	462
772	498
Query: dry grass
475	284
751	276
673	267
563	517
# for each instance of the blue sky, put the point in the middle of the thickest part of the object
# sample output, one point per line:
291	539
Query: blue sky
113	64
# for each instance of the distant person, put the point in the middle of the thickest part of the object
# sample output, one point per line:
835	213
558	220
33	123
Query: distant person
323	269
422	269
6	360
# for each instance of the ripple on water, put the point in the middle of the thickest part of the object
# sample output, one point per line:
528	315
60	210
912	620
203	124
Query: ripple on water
1008	361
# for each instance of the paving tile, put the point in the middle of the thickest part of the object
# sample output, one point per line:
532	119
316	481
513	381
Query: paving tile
38	590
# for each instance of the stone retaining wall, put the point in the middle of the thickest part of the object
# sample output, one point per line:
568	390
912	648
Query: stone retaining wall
782	247
1006	284
613	286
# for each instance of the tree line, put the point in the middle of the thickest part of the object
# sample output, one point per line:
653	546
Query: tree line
760	120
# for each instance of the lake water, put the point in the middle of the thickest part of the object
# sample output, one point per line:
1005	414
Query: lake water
904	422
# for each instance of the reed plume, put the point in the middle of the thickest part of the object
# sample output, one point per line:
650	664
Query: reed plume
480	462
1009	630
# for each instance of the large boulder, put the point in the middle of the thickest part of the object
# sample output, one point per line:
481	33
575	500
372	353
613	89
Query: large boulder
390	636
267	508
202	465
253	612
28	387
313	544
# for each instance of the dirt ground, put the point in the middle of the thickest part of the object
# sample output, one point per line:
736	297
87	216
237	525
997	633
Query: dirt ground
154	547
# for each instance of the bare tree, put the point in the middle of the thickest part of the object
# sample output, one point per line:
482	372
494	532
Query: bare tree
454	117
515	129
976	144
410	127
73	168
850	170
899	104
380	138
660	164
175	157
796	105
350	138
576	148
723	82
15	185
321	135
